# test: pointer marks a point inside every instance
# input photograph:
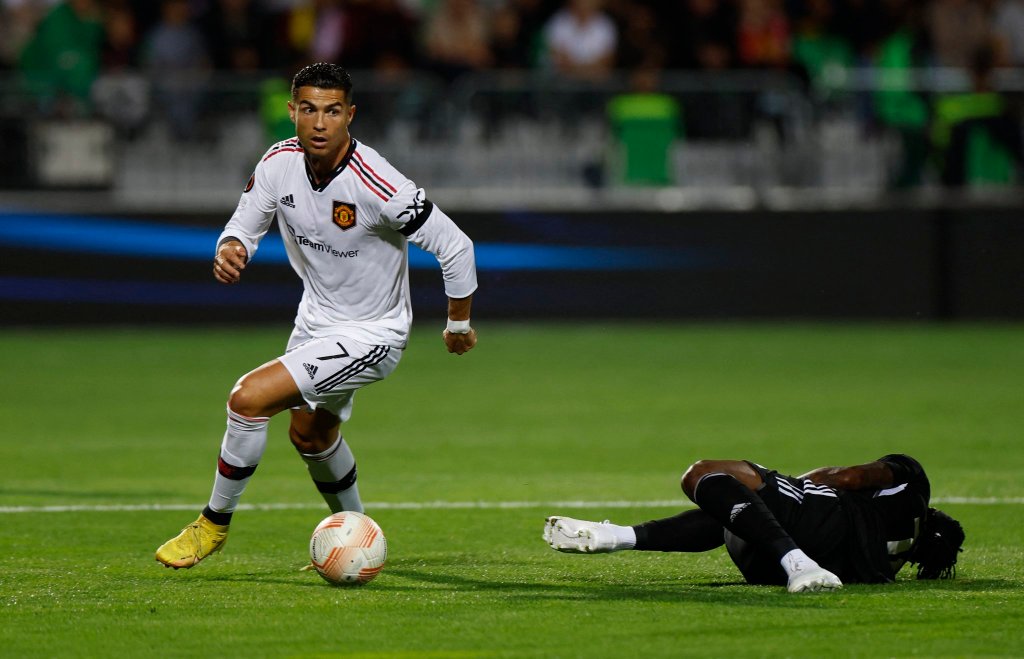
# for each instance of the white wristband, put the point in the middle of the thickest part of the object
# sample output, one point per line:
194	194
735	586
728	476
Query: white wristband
458	326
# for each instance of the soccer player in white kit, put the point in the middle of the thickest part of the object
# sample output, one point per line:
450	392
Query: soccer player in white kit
346	216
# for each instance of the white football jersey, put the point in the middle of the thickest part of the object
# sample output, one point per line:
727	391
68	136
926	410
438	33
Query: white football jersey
346	237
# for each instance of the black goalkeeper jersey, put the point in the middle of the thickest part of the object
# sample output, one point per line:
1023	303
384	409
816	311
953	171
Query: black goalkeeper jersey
886	522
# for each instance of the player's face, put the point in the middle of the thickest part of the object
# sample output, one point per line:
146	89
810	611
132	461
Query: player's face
321	119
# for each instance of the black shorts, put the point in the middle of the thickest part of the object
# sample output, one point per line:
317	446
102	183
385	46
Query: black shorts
812	515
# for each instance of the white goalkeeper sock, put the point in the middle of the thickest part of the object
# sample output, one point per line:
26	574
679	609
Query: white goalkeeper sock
796	561
625	536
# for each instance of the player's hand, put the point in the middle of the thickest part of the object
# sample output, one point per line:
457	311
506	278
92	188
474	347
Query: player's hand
229	262
459	343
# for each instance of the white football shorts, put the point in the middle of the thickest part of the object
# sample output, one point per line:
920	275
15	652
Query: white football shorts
328	371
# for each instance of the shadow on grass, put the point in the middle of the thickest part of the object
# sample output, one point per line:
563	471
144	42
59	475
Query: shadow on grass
313	580
601	588
733	592
569	590
960	584
510	589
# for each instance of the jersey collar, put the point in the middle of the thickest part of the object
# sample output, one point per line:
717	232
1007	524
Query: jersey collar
322	185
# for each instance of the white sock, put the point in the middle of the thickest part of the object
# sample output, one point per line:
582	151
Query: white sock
625	536
796	561
334	474
244	442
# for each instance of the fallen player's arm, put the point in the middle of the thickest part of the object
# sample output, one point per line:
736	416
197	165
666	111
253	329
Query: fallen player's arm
873	475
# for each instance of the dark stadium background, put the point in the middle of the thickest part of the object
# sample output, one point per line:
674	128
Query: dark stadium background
842	265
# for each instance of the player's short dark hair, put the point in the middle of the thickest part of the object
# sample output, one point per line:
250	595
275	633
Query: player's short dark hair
936	548
325	76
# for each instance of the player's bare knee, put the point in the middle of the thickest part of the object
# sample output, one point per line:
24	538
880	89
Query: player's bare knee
300	440
693	474
245	401
309	440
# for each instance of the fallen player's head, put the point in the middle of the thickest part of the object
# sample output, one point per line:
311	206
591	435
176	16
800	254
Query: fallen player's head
936	549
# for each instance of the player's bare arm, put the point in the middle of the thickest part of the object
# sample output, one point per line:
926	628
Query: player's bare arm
458	312
873	475
229	262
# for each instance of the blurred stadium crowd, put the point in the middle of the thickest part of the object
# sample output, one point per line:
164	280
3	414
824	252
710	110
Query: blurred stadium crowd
83	58
81	38
73	41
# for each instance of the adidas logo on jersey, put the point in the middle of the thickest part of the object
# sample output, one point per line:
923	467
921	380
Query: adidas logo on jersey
311	369
736	510
288	200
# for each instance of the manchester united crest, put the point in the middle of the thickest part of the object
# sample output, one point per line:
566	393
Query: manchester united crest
344	215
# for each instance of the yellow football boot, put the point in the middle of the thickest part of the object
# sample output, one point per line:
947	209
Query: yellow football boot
195	542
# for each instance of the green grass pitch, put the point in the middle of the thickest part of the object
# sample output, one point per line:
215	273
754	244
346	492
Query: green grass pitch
125	424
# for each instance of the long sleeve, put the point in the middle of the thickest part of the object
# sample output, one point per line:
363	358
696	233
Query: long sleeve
428	227
254	213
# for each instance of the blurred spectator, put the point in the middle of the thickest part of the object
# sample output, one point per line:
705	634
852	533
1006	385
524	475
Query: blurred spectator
976	136
62	59
533	16
645	124
704	39
818	51
861	24
456	38
391	36
147	14
121	93
642	45
275	94
581	40
385	37
175	46
358	34
238	36
175	57
328	21
510	43
377	33
762	34
899	107
704	34
513	55
957	29
1008	25
120	37
18	21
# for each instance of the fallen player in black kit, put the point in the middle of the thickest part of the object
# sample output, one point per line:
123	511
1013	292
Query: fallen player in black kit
831	526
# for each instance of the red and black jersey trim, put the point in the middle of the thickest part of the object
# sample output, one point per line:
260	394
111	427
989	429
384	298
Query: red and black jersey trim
377	184
288	146
322	185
